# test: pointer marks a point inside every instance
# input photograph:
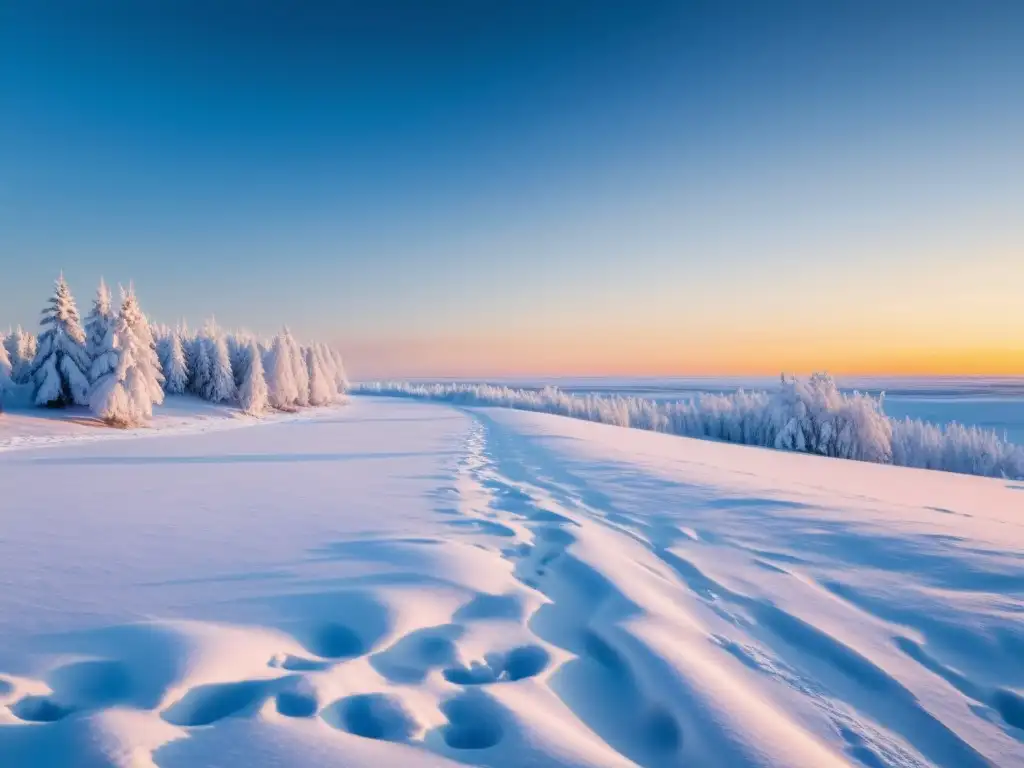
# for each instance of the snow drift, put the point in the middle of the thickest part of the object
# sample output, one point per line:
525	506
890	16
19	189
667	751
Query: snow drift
807	415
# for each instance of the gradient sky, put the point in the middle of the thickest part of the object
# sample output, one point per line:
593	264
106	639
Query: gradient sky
484	188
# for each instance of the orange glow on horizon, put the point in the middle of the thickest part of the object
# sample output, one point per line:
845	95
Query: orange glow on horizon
512	357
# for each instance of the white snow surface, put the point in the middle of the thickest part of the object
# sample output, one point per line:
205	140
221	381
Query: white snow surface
403	583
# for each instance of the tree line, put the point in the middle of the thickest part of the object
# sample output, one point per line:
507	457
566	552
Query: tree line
120	365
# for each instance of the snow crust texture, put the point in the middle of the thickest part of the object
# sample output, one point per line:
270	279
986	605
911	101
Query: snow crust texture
402	584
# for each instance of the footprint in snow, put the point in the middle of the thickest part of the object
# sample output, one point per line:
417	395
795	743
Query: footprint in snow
474	722
298	700
517	664
410	659
373	716
39	709
207	704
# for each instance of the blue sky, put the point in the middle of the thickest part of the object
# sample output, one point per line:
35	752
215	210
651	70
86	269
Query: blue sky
539	187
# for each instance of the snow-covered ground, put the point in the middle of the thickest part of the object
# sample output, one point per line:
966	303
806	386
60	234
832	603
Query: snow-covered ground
407	583
31	427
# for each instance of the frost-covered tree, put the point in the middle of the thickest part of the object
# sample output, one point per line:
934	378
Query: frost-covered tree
147	363
105	362
128	378
122	396
5	374
282	391
60	368
326	362
17	351
175	366
200	367
221	385
340	376
300	373
98	323
321	388
253	394
812	415
238	349
335	374
21	348
161	332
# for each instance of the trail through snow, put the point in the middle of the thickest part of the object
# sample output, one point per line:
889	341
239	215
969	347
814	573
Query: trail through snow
403	583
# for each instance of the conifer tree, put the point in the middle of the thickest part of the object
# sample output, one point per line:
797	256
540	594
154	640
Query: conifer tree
300	373
28	346
321	388
10	345
221	386
99	321
282	391
175	366
5	374
341	378
253	394
200	367
59	369
123	395
147	363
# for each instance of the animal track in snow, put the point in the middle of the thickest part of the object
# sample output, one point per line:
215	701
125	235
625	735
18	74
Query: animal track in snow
474	722
413	656
39	709
517	664
373	716
299	699
207	704
335	641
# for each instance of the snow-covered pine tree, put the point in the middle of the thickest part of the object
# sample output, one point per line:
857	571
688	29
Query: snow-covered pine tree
10	345
175	367
328	366
160	332
59	369
300	373
163	353
106	360
30	345
5	373
21	349
326	362
253	394
238	350
321	388
341	377
147	364
121	396
333	368
281	388
221	386
99	321
200	367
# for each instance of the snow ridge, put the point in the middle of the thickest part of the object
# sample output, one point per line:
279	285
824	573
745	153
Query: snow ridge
805	415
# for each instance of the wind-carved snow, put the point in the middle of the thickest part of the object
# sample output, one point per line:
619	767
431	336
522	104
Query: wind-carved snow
402	583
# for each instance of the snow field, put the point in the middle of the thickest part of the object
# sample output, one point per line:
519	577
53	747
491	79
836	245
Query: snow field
403	583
